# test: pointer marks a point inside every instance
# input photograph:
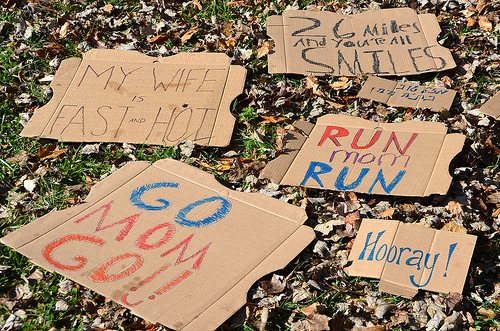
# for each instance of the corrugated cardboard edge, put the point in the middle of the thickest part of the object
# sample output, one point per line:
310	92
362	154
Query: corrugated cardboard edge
224	123
230	301
492	106
430	29
60	84
54	219
440	179
295	139
235	298
277	57
364	93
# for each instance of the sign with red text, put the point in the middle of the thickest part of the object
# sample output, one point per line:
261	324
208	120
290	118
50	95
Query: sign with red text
492	107
409	257
346	153
394	41
406	94
168	242
126	96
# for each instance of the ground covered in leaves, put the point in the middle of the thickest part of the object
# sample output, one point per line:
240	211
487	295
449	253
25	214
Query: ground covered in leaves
312	292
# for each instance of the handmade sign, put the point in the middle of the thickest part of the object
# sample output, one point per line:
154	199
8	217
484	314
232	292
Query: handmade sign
346	153
492	107
167	241
393	41
409	257
126	96
406	94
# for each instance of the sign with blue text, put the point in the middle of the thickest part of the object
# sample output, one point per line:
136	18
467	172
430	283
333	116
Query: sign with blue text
346	153
168	242
409	257
387	42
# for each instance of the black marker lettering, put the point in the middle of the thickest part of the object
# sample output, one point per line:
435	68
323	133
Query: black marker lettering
316	24
304	57
376	62
112	68
125	75
105	122
82	123
355	64
427	51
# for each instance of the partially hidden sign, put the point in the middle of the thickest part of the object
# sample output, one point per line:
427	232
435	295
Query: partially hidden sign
167	241
492	107
346	153
394	41
409	257
126	96
406	94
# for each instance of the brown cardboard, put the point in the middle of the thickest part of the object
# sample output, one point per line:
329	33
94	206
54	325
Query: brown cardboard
346	153
492	107
180	249
393	41
406	94
409	257
126	96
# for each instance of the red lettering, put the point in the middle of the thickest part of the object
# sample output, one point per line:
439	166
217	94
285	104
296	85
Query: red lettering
142	240
130	304
374	139
49	249
174	282
341	132
184	244
129	221
100	274
396	142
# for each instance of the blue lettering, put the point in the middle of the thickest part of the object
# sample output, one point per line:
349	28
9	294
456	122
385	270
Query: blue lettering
136	196
418	259
412	277
367	244
378	252
221	212
314	174
340	182
387	188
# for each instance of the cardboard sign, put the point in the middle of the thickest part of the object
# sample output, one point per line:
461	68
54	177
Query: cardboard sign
347	153
406	94
409	257
167	241
126	96
384	42
492	107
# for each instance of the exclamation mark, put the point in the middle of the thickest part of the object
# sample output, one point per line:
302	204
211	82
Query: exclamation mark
452	249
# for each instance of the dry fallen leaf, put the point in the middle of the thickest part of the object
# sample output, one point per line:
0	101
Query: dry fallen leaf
352	217
455	208
263	50
108	8
280	138
491	145
389	212
65	28
487	312
274	286
471	22
158	38
313	322
188	34
312	83
454	227
342	81
485	24
217	167
50	152
198	4
272	119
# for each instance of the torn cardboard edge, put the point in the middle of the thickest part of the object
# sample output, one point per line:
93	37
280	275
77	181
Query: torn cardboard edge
492	106
216	312
300	149
151	105
394	252
406	94
321	43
